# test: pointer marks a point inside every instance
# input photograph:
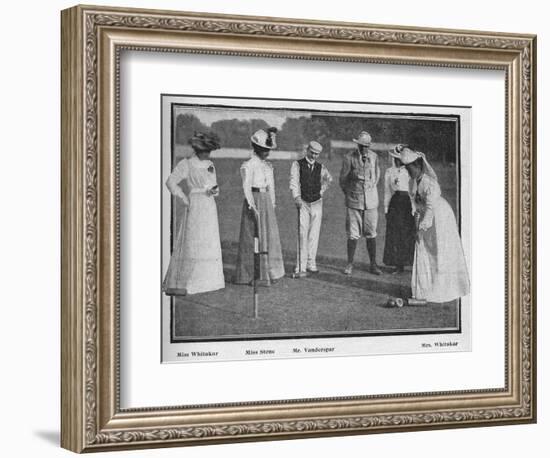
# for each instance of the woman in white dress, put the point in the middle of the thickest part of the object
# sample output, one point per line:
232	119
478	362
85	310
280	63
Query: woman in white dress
196	261
439	272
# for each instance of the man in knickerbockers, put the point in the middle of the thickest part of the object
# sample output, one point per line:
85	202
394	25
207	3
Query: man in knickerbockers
359	179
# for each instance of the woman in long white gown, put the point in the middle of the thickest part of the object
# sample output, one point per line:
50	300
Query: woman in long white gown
196	261
439	272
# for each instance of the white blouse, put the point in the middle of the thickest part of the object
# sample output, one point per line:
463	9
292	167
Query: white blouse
257	173
199	175
396	179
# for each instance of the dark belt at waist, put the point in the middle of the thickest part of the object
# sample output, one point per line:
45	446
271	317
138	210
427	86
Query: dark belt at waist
254	189
401	193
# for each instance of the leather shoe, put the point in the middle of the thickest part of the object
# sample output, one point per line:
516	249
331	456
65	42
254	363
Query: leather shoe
374	269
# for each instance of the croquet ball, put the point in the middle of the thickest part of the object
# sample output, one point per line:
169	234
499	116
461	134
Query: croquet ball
391	302
399	302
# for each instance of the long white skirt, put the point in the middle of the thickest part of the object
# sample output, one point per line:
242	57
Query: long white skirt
196	261
439	272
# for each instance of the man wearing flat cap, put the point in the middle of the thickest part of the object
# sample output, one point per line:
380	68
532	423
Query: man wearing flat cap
309	180
359	179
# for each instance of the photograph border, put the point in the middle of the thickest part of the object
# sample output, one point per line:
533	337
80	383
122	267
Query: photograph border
92	39
215	101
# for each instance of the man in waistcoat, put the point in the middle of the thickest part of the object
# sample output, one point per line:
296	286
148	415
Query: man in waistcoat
359	179
309	180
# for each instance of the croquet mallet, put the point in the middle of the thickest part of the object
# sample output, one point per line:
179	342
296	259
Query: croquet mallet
413	300
257	261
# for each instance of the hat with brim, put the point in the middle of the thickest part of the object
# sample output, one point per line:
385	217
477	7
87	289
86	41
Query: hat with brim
265	138
407	156
394	153
204	141
315	147
363	138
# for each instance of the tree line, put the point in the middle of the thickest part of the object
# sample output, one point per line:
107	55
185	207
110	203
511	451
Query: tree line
437	137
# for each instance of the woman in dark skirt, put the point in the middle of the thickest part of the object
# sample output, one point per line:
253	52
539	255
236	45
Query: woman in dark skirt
259	208
400	226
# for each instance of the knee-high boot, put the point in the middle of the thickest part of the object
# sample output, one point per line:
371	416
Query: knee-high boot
371	248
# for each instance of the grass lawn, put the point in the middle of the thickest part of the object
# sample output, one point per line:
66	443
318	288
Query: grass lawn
326	303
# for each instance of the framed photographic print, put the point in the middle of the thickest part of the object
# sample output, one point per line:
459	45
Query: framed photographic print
313	299
278	228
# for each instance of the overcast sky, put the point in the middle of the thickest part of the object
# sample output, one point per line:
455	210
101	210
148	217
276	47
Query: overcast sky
274	118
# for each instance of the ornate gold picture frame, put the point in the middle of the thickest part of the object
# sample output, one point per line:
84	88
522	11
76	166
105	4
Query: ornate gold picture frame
93	39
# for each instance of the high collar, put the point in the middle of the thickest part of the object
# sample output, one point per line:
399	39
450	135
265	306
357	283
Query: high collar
255	157
200	164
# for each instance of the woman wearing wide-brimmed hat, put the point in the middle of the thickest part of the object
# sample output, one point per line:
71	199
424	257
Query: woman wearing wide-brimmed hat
196	261
259	209
400	230
439	272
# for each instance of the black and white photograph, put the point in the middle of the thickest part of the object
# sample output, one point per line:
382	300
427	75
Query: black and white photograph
248	224
295	228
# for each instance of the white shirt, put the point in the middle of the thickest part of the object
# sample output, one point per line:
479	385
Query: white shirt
396	179
326	178
257	173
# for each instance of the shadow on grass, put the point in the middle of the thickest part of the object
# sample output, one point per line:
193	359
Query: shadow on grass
331	272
